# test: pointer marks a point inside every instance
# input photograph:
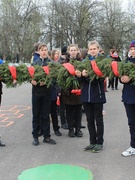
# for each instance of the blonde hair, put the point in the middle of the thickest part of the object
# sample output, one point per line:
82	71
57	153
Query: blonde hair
73	45
93	43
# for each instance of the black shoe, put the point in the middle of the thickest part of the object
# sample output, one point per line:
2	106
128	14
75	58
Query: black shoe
112	88
64	126
71	133
78	133
116	88
58	133
35	142
2	144
49	141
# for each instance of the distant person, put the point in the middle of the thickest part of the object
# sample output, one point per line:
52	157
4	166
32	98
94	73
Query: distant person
84	53
128	98
62	110
55	54
101	51
35	54
62	58
114	81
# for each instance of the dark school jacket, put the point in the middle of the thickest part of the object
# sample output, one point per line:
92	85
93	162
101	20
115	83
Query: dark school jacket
36	56
92	92
42	90
128	92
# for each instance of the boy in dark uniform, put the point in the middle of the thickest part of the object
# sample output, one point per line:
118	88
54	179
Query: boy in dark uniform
128	98
41	101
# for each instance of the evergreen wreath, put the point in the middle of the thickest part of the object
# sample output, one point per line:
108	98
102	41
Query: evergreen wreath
64	74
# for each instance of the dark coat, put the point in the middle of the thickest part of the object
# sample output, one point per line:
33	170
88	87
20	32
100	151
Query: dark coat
55	91
93	92
128	92
36	56
42	90
68	98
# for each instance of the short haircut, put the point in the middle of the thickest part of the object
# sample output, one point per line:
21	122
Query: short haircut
36	46
73	45
41	46
93	43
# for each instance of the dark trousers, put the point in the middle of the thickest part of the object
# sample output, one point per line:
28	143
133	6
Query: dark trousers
74	115
130	111
40	110
109	83
54	115
0	99
114	82
62	111
95	122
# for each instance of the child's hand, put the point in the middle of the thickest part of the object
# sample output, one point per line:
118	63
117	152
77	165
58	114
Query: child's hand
42	83
125	79
33	82
14	82
78	73
84	73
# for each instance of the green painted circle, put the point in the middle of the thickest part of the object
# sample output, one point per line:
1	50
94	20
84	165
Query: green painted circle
56	172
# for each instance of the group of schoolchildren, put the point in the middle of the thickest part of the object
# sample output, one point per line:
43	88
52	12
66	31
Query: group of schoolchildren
92	98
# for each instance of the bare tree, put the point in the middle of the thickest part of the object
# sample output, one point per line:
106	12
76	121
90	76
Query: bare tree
71	22
62	22
20	27
114	25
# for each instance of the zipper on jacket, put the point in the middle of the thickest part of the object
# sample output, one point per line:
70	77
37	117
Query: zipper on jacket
99	90
42	62
89	92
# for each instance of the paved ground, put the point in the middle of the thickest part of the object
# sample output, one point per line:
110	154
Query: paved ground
19	153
